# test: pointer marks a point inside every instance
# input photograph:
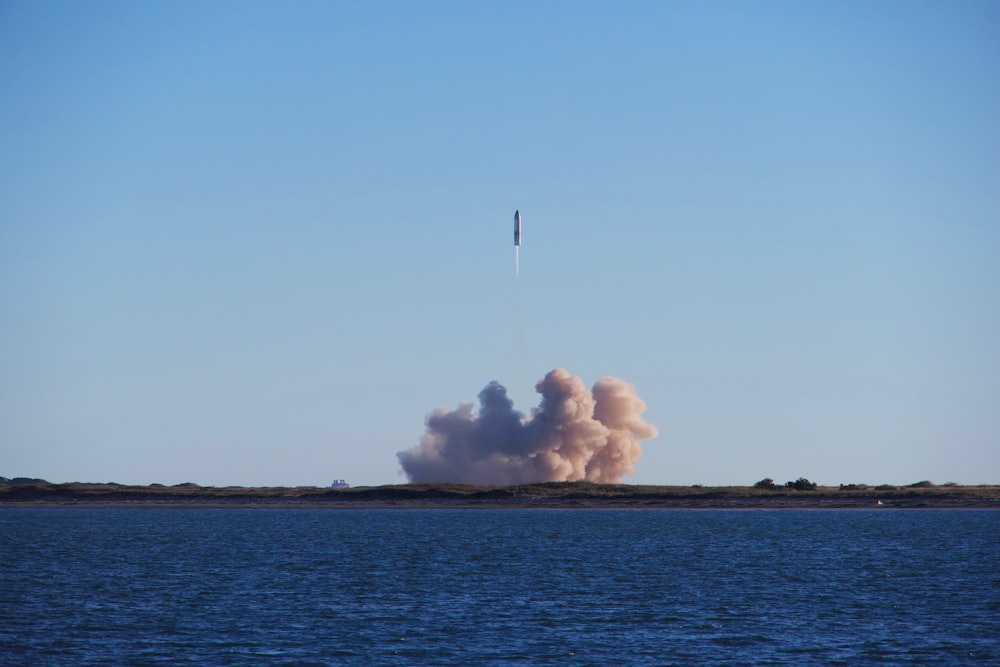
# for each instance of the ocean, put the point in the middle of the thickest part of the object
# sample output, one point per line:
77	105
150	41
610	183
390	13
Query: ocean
498	587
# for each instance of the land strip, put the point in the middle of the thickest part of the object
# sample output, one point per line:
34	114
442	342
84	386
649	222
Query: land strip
556	495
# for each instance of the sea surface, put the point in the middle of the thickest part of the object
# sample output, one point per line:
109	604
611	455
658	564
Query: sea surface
497	587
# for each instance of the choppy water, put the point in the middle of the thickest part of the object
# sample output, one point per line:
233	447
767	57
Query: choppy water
453	587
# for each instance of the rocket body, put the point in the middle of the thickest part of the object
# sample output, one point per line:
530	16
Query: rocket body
517	228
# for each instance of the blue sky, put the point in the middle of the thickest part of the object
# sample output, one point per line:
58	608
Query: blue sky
256	243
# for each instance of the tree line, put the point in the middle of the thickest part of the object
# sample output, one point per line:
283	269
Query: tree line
801	484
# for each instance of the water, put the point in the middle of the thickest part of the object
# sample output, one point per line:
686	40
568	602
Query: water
454	587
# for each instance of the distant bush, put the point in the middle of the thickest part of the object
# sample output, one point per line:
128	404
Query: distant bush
925	484
801	484
766	483
853	487
950	484
885	487
22	481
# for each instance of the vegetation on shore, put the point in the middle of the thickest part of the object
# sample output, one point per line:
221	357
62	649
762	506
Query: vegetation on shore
21	489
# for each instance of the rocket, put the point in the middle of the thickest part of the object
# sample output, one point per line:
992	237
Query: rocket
517	228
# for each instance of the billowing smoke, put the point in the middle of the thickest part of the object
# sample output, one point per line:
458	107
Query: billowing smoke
573	435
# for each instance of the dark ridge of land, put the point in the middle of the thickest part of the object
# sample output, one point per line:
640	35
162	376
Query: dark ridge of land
21	492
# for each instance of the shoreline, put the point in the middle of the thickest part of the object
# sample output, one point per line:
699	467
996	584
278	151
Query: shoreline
528	504
555	495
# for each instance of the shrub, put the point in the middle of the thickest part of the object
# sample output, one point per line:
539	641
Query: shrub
885	487
853	487
766	483
925	484
801	484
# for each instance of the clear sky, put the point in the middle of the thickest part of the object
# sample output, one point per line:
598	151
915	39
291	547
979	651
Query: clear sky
257	242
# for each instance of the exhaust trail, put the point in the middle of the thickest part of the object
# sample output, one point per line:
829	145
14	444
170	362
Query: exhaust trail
574	434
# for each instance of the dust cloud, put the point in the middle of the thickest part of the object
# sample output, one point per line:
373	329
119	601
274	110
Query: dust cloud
573	435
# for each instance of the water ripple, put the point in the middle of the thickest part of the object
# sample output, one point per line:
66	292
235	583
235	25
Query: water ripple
364	587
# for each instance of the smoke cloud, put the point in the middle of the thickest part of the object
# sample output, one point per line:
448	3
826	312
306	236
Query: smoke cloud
574	434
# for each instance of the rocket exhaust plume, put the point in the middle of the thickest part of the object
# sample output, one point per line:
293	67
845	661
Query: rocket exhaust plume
574	434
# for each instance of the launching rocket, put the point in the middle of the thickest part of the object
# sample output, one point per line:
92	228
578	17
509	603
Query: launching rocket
517	243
